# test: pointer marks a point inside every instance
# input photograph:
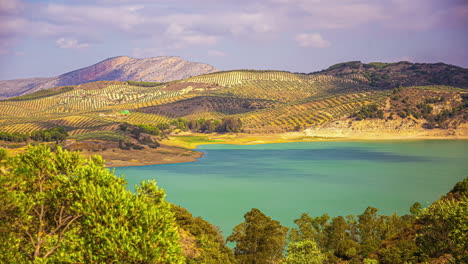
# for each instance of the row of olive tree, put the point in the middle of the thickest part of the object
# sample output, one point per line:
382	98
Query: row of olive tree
56	134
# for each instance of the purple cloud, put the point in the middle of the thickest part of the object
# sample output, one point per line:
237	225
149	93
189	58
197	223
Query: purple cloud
186	27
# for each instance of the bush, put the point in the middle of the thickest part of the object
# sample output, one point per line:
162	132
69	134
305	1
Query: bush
62	208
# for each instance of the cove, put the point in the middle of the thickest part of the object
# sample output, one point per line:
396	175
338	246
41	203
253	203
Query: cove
287	179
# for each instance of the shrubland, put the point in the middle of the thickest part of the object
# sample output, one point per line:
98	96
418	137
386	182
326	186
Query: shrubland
58	207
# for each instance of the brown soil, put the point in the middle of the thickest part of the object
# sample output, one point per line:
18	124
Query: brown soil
163	155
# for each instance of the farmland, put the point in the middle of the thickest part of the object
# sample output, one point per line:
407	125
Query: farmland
264	101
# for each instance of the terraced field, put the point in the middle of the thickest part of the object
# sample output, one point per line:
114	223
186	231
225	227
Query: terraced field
265	101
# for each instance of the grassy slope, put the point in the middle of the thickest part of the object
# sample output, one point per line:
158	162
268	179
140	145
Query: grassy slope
266	101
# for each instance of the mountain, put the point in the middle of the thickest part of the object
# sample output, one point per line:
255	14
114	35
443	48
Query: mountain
264	101
159	69
403	73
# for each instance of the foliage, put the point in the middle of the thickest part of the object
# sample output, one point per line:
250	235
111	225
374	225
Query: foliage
416	209
56	134
3	154
60	207
459	191
209	242
369	111
42	93
370	261
350	238
148	129
144	84
351	64
402	250
180	123
339	240
444	228
227	124
259	239
14	137
304	252
369	230
102	135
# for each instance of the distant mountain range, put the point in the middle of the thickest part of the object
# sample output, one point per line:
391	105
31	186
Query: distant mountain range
159	69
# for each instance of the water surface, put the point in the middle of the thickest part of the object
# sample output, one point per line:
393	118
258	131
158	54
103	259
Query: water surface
285	180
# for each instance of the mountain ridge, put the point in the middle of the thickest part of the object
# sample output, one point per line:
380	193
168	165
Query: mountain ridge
120	68
402	73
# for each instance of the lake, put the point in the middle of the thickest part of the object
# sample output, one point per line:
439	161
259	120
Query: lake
285	180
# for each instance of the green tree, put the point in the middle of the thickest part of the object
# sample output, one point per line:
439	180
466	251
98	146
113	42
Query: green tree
416	209
204	242
444	229
304	252
338	239
304	230
369	230
60	207
3	154
311	228
259	239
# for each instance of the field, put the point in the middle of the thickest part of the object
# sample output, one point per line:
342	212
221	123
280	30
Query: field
265	102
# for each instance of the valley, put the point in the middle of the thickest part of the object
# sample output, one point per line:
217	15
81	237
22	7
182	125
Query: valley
347	101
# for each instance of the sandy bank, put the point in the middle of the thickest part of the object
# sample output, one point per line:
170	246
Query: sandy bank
162	155
180	148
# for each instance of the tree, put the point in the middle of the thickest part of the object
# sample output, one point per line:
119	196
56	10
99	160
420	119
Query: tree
3	154
230	124
259	239
369	230
444	229
338	239
202	242
311	229
304	230
416	209
304	252
60	207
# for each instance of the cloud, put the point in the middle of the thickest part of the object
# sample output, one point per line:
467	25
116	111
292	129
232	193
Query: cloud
8	7
312	40
180	24
64	43
217	53
125	17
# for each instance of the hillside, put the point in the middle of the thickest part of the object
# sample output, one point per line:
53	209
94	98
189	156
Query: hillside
403	73
254	102
159	69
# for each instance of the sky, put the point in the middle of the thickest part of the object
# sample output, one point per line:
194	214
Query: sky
44	38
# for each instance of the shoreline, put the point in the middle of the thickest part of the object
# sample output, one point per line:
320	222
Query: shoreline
183	146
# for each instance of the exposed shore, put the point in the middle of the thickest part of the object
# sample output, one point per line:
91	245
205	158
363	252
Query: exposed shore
180	148
162	155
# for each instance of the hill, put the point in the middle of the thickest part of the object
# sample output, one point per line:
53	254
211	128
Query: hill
403	73
159	69
251	101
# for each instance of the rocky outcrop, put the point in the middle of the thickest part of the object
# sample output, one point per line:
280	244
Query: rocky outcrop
159	69
383	129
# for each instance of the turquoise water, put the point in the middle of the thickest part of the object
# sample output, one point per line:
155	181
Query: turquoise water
285	180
